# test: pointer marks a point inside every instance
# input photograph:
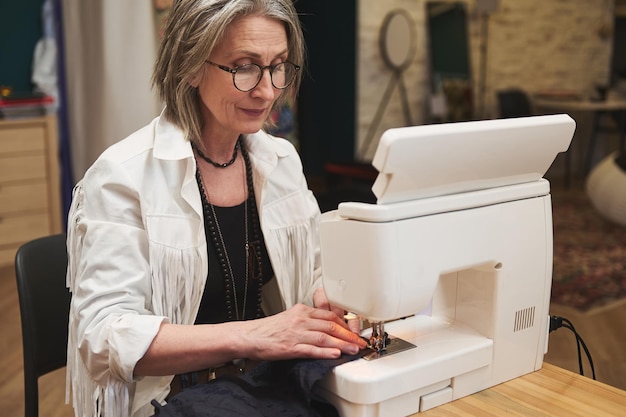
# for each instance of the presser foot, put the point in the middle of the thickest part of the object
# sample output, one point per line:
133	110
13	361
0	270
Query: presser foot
393	345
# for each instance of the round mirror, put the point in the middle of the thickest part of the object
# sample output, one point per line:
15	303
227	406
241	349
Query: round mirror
397	39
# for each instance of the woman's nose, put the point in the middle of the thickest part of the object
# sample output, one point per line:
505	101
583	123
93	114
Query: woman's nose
265	88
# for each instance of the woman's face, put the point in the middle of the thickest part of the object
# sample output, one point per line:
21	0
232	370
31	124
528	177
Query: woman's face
228	111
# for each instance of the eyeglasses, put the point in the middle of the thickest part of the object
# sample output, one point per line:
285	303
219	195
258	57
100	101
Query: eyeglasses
246	77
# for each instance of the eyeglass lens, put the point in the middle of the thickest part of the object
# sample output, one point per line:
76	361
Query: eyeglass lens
248	76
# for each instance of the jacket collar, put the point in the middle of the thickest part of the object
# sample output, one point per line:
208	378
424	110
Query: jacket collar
264	148
169	141
170	144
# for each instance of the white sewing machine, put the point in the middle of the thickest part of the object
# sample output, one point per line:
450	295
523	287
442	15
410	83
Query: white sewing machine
455	259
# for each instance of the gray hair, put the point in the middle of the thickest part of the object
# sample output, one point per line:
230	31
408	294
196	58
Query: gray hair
193	29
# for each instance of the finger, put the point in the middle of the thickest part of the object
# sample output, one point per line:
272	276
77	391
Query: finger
342	335
329	315
325	321
339	312
316	352
326	341
320	300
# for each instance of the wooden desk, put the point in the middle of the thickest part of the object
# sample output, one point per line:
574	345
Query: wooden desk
549	392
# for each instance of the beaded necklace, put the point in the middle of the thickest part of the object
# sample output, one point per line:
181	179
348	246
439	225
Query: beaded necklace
252	247
212	162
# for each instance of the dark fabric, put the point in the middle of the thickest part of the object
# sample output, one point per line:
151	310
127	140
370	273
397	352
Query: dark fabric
272	389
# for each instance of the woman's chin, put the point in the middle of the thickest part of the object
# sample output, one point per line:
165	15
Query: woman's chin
249	128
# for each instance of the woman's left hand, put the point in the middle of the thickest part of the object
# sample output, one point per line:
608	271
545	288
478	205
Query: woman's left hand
321	301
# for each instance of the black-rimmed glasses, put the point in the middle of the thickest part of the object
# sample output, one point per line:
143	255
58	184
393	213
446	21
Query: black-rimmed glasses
246	77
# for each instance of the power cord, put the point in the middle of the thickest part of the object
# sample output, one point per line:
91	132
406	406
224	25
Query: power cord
557	322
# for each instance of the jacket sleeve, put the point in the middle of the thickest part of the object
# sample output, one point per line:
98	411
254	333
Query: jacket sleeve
111	325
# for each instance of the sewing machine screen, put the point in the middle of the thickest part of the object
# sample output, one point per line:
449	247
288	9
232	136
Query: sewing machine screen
432	160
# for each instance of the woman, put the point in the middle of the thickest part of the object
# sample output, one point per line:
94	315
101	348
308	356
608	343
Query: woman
194	241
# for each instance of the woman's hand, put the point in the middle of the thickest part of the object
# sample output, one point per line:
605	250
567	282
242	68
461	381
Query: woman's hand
300	332
321	301
319	332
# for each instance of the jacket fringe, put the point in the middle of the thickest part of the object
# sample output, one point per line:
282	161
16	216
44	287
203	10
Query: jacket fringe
173	294
173	297
88	397
291	246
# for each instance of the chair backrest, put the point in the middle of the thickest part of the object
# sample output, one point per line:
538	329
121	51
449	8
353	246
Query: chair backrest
40	269
514	103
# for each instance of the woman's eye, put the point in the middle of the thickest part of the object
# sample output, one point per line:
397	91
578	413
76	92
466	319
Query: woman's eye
245	69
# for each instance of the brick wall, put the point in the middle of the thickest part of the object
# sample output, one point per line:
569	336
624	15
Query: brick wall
531	44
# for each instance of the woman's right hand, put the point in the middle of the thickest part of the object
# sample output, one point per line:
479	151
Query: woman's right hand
300	332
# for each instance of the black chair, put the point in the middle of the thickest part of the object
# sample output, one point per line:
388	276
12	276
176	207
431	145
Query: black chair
514	103
40	268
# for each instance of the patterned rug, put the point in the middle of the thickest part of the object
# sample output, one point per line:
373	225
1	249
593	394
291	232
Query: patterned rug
589	253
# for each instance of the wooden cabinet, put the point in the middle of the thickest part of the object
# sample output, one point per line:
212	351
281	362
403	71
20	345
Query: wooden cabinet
30	203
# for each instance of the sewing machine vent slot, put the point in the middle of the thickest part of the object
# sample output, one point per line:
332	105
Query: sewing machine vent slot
524	319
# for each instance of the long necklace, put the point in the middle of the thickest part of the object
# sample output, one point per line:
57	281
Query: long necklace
212	162
253	249
253	266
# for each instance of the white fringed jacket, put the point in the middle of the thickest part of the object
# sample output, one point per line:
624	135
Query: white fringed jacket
138	257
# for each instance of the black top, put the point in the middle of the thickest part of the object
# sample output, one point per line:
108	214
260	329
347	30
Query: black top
213	305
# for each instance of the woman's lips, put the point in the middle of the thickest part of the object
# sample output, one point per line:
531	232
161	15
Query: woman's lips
254	112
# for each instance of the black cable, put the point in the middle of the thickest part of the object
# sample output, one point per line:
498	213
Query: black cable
581	342
557	322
